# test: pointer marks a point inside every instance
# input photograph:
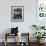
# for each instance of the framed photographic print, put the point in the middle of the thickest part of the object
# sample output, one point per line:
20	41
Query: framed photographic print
17	13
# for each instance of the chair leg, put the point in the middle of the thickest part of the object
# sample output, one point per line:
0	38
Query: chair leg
5	43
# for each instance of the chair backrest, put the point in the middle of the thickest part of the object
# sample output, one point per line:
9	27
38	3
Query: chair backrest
14	30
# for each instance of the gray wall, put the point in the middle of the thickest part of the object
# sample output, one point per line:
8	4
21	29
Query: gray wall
29	15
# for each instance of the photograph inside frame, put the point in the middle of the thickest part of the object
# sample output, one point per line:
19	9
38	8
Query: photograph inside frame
17	13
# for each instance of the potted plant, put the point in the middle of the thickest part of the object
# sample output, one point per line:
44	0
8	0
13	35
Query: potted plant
39	35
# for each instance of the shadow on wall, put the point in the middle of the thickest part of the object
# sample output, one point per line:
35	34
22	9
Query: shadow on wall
32	38
7	31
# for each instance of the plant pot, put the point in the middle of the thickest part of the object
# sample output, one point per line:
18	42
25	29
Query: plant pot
40	40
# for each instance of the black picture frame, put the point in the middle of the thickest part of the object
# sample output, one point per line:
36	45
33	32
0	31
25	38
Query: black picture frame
17	13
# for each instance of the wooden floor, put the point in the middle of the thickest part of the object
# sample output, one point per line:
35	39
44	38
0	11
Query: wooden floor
13	44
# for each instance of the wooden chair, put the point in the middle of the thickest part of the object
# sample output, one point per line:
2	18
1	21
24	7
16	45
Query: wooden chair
27	43
8	34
